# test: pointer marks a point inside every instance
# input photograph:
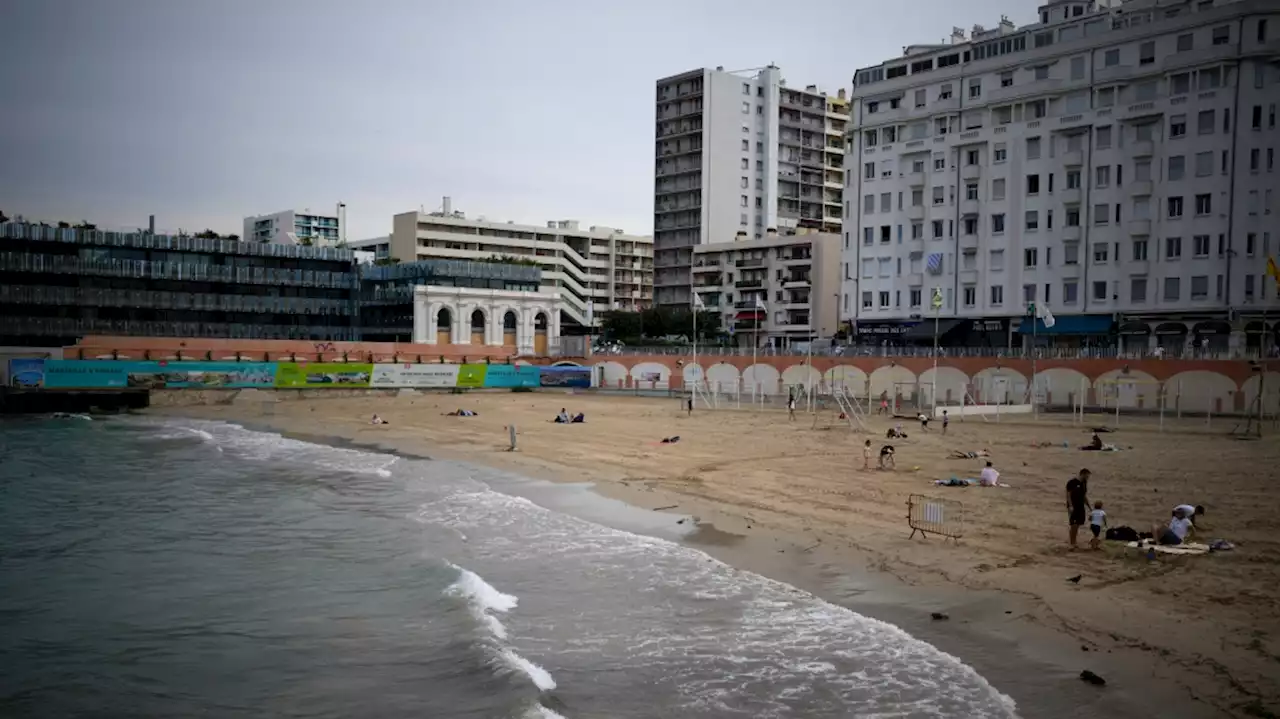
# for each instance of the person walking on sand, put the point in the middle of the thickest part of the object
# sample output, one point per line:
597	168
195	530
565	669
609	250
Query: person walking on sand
689	406
866	455
791	408
1077	504
1097	522
945	421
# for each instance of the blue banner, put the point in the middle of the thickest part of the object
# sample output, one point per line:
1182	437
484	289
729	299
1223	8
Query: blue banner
508	376
118	374
579	377
26	373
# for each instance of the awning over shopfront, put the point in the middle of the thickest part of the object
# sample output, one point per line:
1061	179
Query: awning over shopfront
1135	329
925	330
1212	327
1167	329
1068	325
749	315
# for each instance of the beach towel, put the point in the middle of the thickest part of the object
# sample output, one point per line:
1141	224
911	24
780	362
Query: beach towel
1190	548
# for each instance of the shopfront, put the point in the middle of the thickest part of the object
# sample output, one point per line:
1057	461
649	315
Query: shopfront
1135	337
1069	331
1171	336
1212	336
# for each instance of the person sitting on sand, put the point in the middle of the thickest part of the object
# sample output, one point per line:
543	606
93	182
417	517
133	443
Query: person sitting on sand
1095	444
461	413
563	417
1188	512
895	433
989	476
377	420
886	457
1174	532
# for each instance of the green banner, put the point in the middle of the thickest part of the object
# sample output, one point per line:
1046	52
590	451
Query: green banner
472	375
323	374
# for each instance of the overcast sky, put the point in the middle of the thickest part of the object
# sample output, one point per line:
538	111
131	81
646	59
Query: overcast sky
204	112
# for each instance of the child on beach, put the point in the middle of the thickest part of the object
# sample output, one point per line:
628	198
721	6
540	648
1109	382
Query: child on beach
791	408
866	455
1097	520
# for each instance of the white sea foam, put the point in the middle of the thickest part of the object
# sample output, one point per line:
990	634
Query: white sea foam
537	711
783	636
482	599
540	677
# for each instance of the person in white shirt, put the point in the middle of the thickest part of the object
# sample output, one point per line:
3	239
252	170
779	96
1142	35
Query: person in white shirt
1097	520
1175	532
989	476
1189	512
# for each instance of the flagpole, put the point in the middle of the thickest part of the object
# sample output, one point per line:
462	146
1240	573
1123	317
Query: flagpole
696	369
755	342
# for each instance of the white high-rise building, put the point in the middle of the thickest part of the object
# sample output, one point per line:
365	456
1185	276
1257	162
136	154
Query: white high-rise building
592	269
299	227
740	152
1114	162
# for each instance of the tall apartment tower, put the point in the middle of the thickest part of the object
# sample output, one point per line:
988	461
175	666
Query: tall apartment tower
739	154
1114	162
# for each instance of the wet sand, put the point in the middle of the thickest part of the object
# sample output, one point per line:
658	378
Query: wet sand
1190	636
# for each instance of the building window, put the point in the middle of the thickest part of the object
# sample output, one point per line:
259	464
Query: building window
997	189
866	300
1172	289
1111	58
971	157
1100	291
1200	245
1000	155
1102	176
869	171
1177	126
997	294
1204	204
1186	42
1033	220
970	225
1204	122
970	294
1101	253
1250	244
971	191
1172	248
1222	35
1033	184
1073	217
1104	137
1138	290
1177	167
917	230
913	296
884	299
975	89
1029	257
997	224
1139	250
1033	148
1175	207
868	235
1204	164
939	195
1069	292
1147	53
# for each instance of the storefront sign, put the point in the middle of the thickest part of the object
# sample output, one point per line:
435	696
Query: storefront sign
415	375
887	330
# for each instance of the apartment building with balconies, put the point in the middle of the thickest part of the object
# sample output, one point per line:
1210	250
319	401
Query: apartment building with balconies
740	152
298	227
1114	162
594	269
776	290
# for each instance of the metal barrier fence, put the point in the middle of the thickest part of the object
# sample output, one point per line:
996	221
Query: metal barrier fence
930	515
1046	353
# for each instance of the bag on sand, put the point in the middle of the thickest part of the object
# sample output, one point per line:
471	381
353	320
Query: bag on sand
1122	534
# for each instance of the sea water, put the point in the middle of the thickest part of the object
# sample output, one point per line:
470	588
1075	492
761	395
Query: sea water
168	567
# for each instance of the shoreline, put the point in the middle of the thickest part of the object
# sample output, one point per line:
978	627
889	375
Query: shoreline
1018	641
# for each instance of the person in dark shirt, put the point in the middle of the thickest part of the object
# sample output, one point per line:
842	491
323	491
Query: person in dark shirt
1077	504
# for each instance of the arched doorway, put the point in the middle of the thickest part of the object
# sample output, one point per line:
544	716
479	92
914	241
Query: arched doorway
1171	337
509	329
444	327
477	327
1212	336
540	334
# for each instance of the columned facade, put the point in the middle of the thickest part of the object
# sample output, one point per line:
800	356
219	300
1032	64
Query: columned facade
528	322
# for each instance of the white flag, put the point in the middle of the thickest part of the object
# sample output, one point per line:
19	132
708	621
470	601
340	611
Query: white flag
760	304
1045	315
698	304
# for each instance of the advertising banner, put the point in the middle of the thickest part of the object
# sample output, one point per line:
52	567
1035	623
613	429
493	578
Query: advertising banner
510	376
579	377
472	376
415	375
26	373
323	374
118	374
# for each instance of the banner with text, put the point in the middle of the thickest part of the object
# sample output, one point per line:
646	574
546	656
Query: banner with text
323	374
119	374
471	376
424	376
509	376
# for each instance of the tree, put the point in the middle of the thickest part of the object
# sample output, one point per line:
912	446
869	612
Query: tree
86	225
3	217
384	261
209	235
64	225
233	238
622	326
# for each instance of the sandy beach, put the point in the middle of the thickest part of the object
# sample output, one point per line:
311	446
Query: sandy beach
1207	625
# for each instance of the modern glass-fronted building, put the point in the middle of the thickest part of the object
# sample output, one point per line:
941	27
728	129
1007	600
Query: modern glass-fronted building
60	284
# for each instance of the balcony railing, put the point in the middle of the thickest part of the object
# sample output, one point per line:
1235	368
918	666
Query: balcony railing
72	327
1042	353
170	243
142	269
154	299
